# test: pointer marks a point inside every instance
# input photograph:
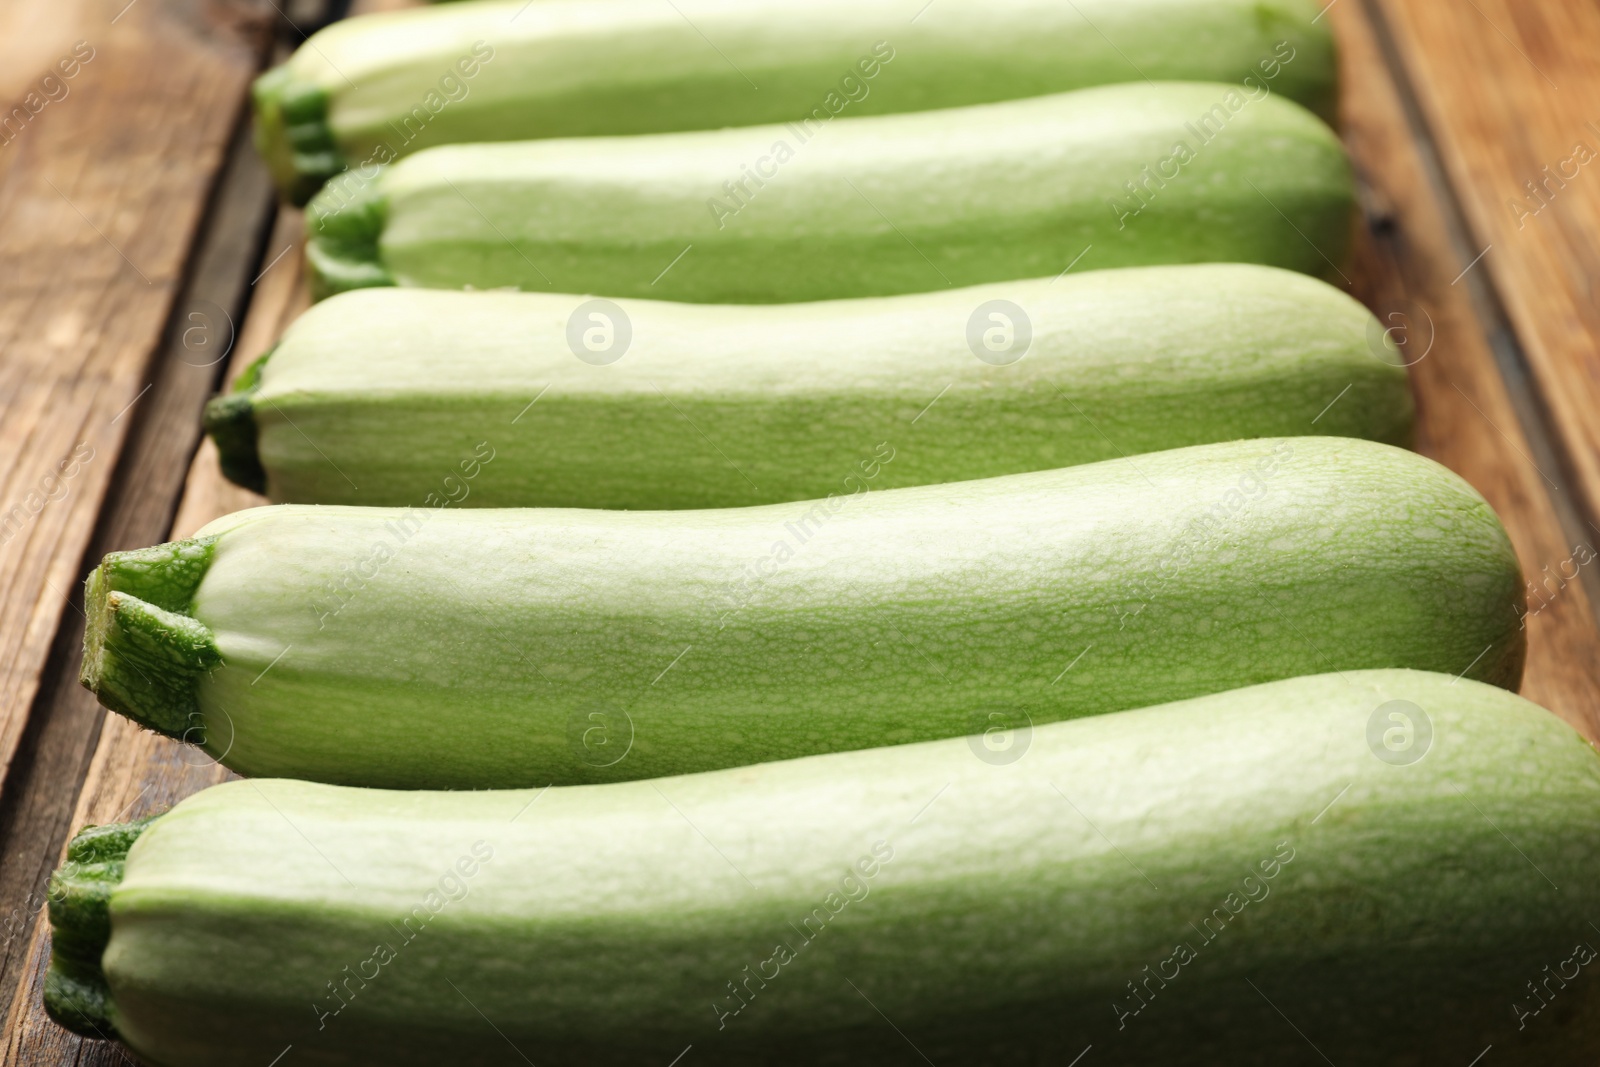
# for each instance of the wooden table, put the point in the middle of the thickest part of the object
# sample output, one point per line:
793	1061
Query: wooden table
142	254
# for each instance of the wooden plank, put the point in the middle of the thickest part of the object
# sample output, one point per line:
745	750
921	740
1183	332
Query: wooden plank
1467	419
1509	89
55	750
134	772
32	38
281	295
104	177
121	771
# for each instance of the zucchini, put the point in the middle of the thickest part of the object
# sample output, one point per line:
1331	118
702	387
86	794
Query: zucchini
1124	175
368	90
371	397
1233	879
451	648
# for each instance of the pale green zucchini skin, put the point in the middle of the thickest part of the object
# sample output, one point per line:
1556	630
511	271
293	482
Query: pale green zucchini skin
1122	175
367	90
377	397
440	647
915	901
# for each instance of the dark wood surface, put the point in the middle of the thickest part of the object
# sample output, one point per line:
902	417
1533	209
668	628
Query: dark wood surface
134	205
1479	413
1509	88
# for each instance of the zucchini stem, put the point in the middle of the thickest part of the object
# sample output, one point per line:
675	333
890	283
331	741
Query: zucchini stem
230	420
143	653
293	135
76	994
343	224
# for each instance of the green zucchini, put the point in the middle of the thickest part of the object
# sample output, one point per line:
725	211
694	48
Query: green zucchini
1250	878
373	396
365	91
451	648
1124	175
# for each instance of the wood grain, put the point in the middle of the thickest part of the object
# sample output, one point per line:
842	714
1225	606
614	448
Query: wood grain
138	509
1466	418
101	193
281	295
135	772
92	768
116	316
1509	89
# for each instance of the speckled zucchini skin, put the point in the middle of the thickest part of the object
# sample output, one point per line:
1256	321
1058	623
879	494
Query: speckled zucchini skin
442	647
374	396
367	90
1237	879
1123	175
